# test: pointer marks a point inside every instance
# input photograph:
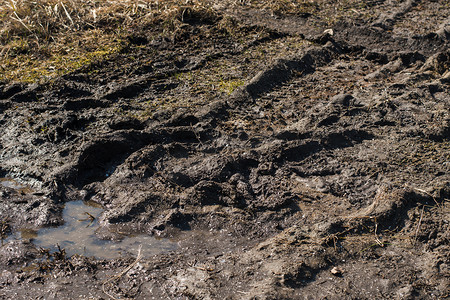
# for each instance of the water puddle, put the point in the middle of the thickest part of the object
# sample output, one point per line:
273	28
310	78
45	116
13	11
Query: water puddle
12	184
77	236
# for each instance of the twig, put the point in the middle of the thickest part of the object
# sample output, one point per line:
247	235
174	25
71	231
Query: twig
17	18
428	194
67	13
138	258
91	217
376	236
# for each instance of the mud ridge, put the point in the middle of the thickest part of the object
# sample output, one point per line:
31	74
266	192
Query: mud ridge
284	69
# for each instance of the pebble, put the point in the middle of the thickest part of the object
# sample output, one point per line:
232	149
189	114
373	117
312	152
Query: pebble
336	271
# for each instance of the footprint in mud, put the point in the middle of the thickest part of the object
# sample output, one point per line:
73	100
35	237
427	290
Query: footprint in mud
77	236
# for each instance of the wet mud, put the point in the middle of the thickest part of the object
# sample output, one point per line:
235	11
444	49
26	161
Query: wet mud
318	169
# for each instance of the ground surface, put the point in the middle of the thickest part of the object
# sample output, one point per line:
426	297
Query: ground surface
293	151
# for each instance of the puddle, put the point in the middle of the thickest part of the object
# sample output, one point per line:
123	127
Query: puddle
12	184
77	236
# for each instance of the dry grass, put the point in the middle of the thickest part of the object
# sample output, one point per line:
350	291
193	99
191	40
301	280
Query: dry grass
43	39
46	38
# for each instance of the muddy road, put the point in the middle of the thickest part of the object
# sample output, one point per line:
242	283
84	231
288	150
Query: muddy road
286	155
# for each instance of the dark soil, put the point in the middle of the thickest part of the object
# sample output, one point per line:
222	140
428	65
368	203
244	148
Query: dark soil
288	160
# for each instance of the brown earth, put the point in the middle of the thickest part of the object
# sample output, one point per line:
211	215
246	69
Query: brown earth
293	154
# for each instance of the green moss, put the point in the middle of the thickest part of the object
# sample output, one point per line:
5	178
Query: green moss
18	47
51	61
229	86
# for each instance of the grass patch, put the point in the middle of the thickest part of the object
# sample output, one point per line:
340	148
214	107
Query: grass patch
43	39
229	86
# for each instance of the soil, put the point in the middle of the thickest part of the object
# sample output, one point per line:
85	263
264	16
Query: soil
289	156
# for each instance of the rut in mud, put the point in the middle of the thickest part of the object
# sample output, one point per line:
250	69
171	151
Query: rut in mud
298	162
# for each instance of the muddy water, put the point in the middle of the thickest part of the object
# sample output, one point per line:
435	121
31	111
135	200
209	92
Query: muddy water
12	184
77	236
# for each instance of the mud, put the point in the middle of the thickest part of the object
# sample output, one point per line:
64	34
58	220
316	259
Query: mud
286	160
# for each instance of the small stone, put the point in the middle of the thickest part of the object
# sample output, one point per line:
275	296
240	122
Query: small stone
329	32
336	271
